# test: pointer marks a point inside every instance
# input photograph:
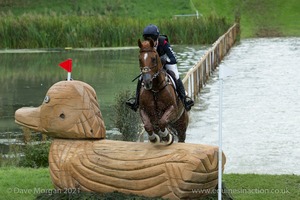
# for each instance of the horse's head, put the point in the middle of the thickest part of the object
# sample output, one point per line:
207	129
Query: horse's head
150	63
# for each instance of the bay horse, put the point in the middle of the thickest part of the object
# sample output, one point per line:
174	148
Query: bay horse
161	110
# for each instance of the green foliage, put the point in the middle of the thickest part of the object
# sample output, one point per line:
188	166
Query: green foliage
36	155
26	150
54	31
93	196
194	31
12	158
146	9
126	120
258	18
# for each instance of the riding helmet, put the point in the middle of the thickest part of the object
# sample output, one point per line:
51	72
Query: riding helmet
151	31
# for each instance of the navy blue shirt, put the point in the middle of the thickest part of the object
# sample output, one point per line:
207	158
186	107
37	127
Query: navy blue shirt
164	49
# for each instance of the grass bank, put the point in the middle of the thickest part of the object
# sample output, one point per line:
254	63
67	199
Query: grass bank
27	183
52	31
259	18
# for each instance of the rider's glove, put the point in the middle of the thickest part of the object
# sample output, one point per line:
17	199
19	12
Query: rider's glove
163	61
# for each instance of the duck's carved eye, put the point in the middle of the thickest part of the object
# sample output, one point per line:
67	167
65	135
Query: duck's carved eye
47	99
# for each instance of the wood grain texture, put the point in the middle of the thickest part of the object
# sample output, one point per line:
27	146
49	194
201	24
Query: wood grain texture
174	172
81	158
70	110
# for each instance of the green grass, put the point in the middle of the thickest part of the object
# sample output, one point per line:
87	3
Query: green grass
263	187
258	17
23	183
146	9
27	183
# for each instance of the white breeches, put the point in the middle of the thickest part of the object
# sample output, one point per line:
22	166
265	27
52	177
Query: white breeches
173	68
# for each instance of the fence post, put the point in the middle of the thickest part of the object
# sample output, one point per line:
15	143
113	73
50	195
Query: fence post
196	78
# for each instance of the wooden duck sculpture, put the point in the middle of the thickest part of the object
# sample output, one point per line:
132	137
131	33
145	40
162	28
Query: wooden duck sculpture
81	158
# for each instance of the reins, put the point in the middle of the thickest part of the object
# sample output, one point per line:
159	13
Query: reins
164	86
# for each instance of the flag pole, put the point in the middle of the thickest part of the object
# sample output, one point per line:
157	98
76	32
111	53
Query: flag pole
69	76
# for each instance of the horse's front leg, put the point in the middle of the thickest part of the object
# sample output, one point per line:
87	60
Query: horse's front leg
165	119
163	122
149	127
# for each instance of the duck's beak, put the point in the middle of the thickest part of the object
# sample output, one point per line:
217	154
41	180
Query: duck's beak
28	117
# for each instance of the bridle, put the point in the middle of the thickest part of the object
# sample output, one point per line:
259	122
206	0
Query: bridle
147	69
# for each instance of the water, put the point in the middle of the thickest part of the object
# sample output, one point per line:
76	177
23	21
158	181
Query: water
261	108
26	75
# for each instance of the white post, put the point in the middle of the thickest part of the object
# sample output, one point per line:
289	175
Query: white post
223	73
220	138
189	86
69	76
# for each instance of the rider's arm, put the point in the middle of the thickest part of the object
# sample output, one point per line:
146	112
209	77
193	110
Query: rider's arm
170	53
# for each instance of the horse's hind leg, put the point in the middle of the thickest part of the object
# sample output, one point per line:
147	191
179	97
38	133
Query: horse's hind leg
181	137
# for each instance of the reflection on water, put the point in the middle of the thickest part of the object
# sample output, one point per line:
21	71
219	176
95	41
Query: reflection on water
261	108
26	76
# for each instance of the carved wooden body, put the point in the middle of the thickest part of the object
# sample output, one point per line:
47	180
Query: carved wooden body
79	158
173	172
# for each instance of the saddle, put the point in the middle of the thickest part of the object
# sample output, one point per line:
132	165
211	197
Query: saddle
170	77
171	80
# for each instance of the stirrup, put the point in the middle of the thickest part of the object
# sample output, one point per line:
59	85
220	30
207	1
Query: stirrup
188	103
131	103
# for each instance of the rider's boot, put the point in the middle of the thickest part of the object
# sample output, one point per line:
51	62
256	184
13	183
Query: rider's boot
133	103
187	101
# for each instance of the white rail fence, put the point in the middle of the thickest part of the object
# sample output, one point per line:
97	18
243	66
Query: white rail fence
198	75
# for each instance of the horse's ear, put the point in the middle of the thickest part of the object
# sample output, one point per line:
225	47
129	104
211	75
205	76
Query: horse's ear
151	43
140	43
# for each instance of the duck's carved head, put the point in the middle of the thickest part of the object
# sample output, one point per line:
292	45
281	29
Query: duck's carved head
70	110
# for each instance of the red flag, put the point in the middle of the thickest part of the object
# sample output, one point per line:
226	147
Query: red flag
67	65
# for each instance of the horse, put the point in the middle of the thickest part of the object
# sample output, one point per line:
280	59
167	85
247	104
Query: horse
161	110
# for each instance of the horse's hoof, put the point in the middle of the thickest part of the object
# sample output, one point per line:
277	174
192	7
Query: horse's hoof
154	138
169	139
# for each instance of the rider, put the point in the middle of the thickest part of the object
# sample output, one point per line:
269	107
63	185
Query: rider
169	62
